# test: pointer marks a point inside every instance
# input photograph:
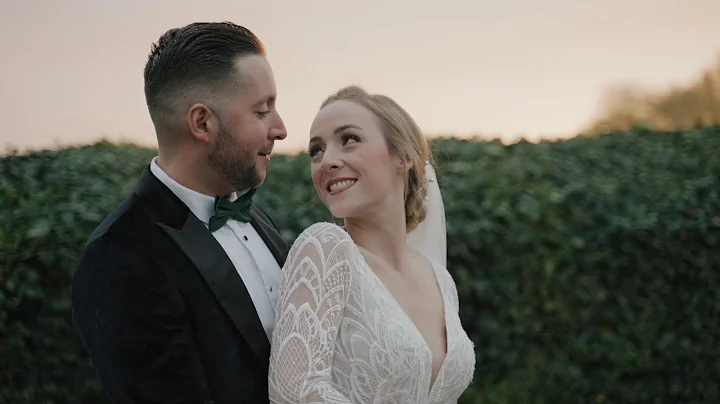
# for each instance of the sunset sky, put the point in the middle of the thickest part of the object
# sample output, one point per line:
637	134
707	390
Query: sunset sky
71	70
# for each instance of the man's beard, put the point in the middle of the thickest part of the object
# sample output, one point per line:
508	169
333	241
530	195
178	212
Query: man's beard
234	161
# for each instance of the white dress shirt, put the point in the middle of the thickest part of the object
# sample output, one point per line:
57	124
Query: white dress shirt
252	259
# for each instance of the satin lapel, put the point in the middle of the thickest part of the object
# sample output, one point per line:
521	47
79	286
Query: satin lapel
277	245
219	272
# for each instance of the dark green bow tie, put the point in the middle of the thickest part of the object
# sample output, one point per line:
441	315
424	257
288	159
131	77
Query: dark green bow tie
238	209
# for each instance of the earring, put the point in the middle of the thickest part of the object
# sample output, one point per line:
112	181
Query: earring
429	180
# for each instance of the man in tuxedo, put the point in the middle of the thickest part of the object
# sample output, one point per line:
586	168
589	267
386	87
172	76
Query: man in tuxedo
175	291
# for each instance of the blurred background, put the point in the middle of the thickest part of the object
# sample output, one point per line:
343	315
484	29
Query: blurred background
72	70
577	146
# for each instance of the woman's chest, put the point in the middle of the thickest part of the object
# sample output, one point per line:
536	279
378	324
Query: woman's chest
376	329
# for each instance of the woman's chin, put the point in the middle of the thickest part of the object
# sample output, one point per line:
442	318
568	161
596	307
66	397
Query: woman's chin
338	215
344	208
340	212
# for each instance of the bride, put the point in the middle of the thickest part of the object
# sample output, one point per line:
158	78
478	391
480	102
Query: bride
368	313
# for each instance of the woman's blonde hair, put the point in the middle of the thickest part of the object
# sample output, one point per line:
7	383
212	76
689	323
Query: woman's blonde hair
404	140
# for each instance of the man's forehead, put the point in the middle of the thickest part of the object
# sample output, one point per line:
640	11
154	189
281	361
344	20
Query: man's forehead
245	97
253	68
255	83
266	99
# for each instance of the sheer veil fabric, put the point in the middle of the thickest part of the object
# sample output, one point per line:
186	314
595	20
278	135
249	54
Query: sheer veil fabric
430	236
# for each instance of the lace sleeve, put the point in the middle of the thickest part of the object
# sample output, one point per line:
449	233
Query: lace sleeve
313	294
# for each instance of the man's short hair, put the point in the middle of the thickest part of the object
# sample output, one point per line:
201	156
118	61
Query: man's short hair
192	63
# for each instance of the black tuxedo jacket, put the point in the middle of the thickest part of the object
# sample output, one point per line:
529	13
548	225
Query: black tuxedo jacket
161	310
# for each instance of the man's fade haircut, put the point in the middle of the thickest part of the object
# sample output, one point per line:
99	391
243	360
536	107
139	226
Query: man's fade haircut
191	64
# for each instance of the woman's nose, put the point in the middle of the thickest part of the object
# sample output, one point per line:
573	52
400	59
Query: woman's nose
330	161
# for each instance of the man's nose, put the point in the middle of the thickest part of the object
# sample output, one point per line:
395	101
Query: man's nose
278	130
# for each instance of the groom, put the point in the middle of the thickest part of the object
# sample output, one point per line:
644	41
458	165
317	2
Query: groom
174	293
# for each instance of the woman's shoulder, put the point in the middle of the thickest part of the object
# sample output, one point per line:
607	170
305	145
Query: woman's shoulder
326	246
324	229
444	276
323	236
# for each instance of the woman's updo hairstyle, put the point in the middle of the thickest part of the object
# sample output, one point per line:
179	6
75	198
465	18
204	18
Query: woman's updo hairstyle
404	139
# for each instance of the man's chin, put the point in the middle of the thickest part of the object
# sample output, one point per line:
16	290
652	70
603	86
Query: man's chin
260	173
253	181
261	177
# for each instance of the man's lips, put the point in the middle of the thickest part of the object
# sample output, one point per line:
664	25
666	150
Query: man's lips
265	154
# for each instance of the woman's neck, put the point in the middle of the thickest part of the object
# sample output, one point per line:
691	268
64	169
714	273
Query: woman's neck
384	236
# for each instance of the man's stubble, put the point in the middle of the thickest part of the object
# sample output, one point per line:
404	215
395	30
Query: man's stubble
234	161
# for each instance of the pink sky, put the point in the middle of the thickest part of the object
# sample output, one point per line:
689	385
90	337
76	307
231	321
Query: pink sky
72	70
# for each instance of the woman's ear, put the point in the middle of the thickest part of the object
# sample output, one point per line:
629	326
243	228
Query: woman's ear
403	166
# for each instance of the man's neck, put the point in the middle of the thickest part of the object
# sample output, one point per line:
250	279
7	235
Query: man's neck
190	176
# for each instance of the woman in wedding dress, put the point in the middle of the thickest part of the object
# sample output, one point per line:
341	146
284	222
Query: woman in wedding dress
368	313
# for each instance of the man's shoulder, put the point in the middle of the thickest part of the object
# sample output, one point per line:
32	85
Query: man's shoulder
122	248
124	217
125	230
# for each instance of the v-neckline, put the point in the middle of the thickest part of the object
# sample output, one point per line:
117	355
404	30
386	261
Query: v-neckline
432	382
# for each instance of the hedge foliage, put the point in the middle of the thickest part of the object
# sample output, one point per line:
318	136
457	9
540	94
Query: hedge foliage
588	269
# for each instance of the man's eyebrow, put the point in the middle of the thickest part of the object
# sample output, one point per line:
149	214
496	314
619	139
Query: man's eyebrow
265	100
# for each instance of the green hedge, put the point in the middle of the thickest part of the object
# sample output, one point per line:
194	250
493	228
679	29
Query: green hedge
588	269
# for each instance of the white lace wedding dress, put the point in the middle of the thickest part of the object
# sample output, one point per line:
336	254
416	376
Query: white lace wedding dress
341	337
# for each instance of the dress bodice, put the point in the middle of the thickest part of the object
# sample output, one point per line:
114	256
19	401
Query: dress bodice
341	337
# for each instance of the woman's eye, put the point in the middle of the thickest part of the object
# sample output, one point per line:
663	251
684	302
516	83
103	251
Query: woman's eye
348	137
313	150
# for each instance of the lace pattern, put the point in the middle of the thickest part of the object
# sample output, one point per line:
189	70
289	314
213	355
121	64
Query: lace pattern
342	338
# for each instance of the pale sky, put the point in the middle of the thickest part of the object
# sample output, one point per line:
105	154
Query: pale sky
71	71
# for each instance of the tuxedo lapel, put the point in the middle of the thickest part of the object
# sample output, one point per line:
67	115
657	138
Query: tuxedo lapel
208	256
219	272
274	241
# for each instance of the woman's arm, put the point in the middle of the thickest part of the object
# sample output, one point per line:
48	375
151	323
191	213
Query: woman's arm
314	291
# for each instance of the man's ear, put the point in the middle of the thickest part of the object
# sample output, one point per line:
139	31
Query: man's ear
202	122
